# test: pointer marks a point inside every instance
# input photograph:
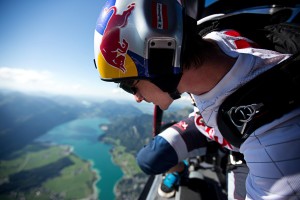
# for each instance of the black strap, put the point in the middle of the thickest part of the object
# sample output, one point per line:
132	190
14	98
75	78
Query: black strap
262	100
157	120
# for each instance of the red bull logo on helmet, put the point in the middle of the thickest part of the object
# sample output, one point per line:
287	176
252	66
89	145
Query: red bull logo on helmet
113	49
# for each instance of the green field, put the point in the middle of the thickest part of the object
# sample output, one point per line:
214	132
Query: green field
123	159
43	172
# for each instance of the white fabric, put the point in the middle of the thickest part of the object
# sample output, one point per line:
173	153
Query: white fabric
272	152
230	185
175	140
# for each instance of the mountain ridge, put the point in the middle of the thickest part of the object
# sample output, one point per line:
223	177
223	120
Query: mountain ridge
25	117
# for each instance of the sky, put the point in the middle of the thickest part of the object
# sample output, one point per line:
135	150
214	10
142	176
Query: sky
46	46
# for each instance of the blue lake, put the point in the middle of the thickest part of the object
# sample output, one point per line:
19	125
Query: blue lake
83	135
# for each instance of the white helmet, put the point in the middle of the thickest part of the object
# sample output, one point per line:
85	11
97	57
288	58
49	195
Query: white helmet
140	39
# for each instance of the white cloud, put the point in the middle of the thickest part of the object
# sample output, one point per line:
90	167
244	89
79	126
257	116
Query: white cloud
118	91
23	76
29	80
42	81
25	79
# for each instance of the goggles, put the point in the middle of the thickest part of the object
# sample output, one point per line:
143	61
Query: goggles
129	86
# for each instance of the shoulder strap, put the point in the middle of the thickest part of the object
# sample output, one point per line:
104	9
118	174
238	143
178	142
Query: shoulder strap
264	99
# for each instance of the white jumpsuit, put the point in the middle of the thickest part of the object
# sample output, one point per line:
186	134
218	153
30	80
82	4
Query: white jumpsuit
272	152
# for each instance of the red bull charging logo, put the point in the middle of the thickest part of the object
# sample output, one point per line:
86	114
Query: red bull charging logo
112	48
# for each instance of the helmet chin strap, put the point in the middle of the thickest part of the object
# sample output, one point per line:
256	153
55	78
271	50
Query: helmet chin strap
175	95
169	84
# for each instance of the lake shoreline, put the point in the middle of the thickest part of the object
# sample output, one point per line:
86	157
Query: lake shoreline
96	191
82	135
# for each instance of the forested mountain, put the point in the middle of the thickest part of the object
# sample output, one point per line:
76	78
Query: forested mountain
128	135
24	117
134	132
